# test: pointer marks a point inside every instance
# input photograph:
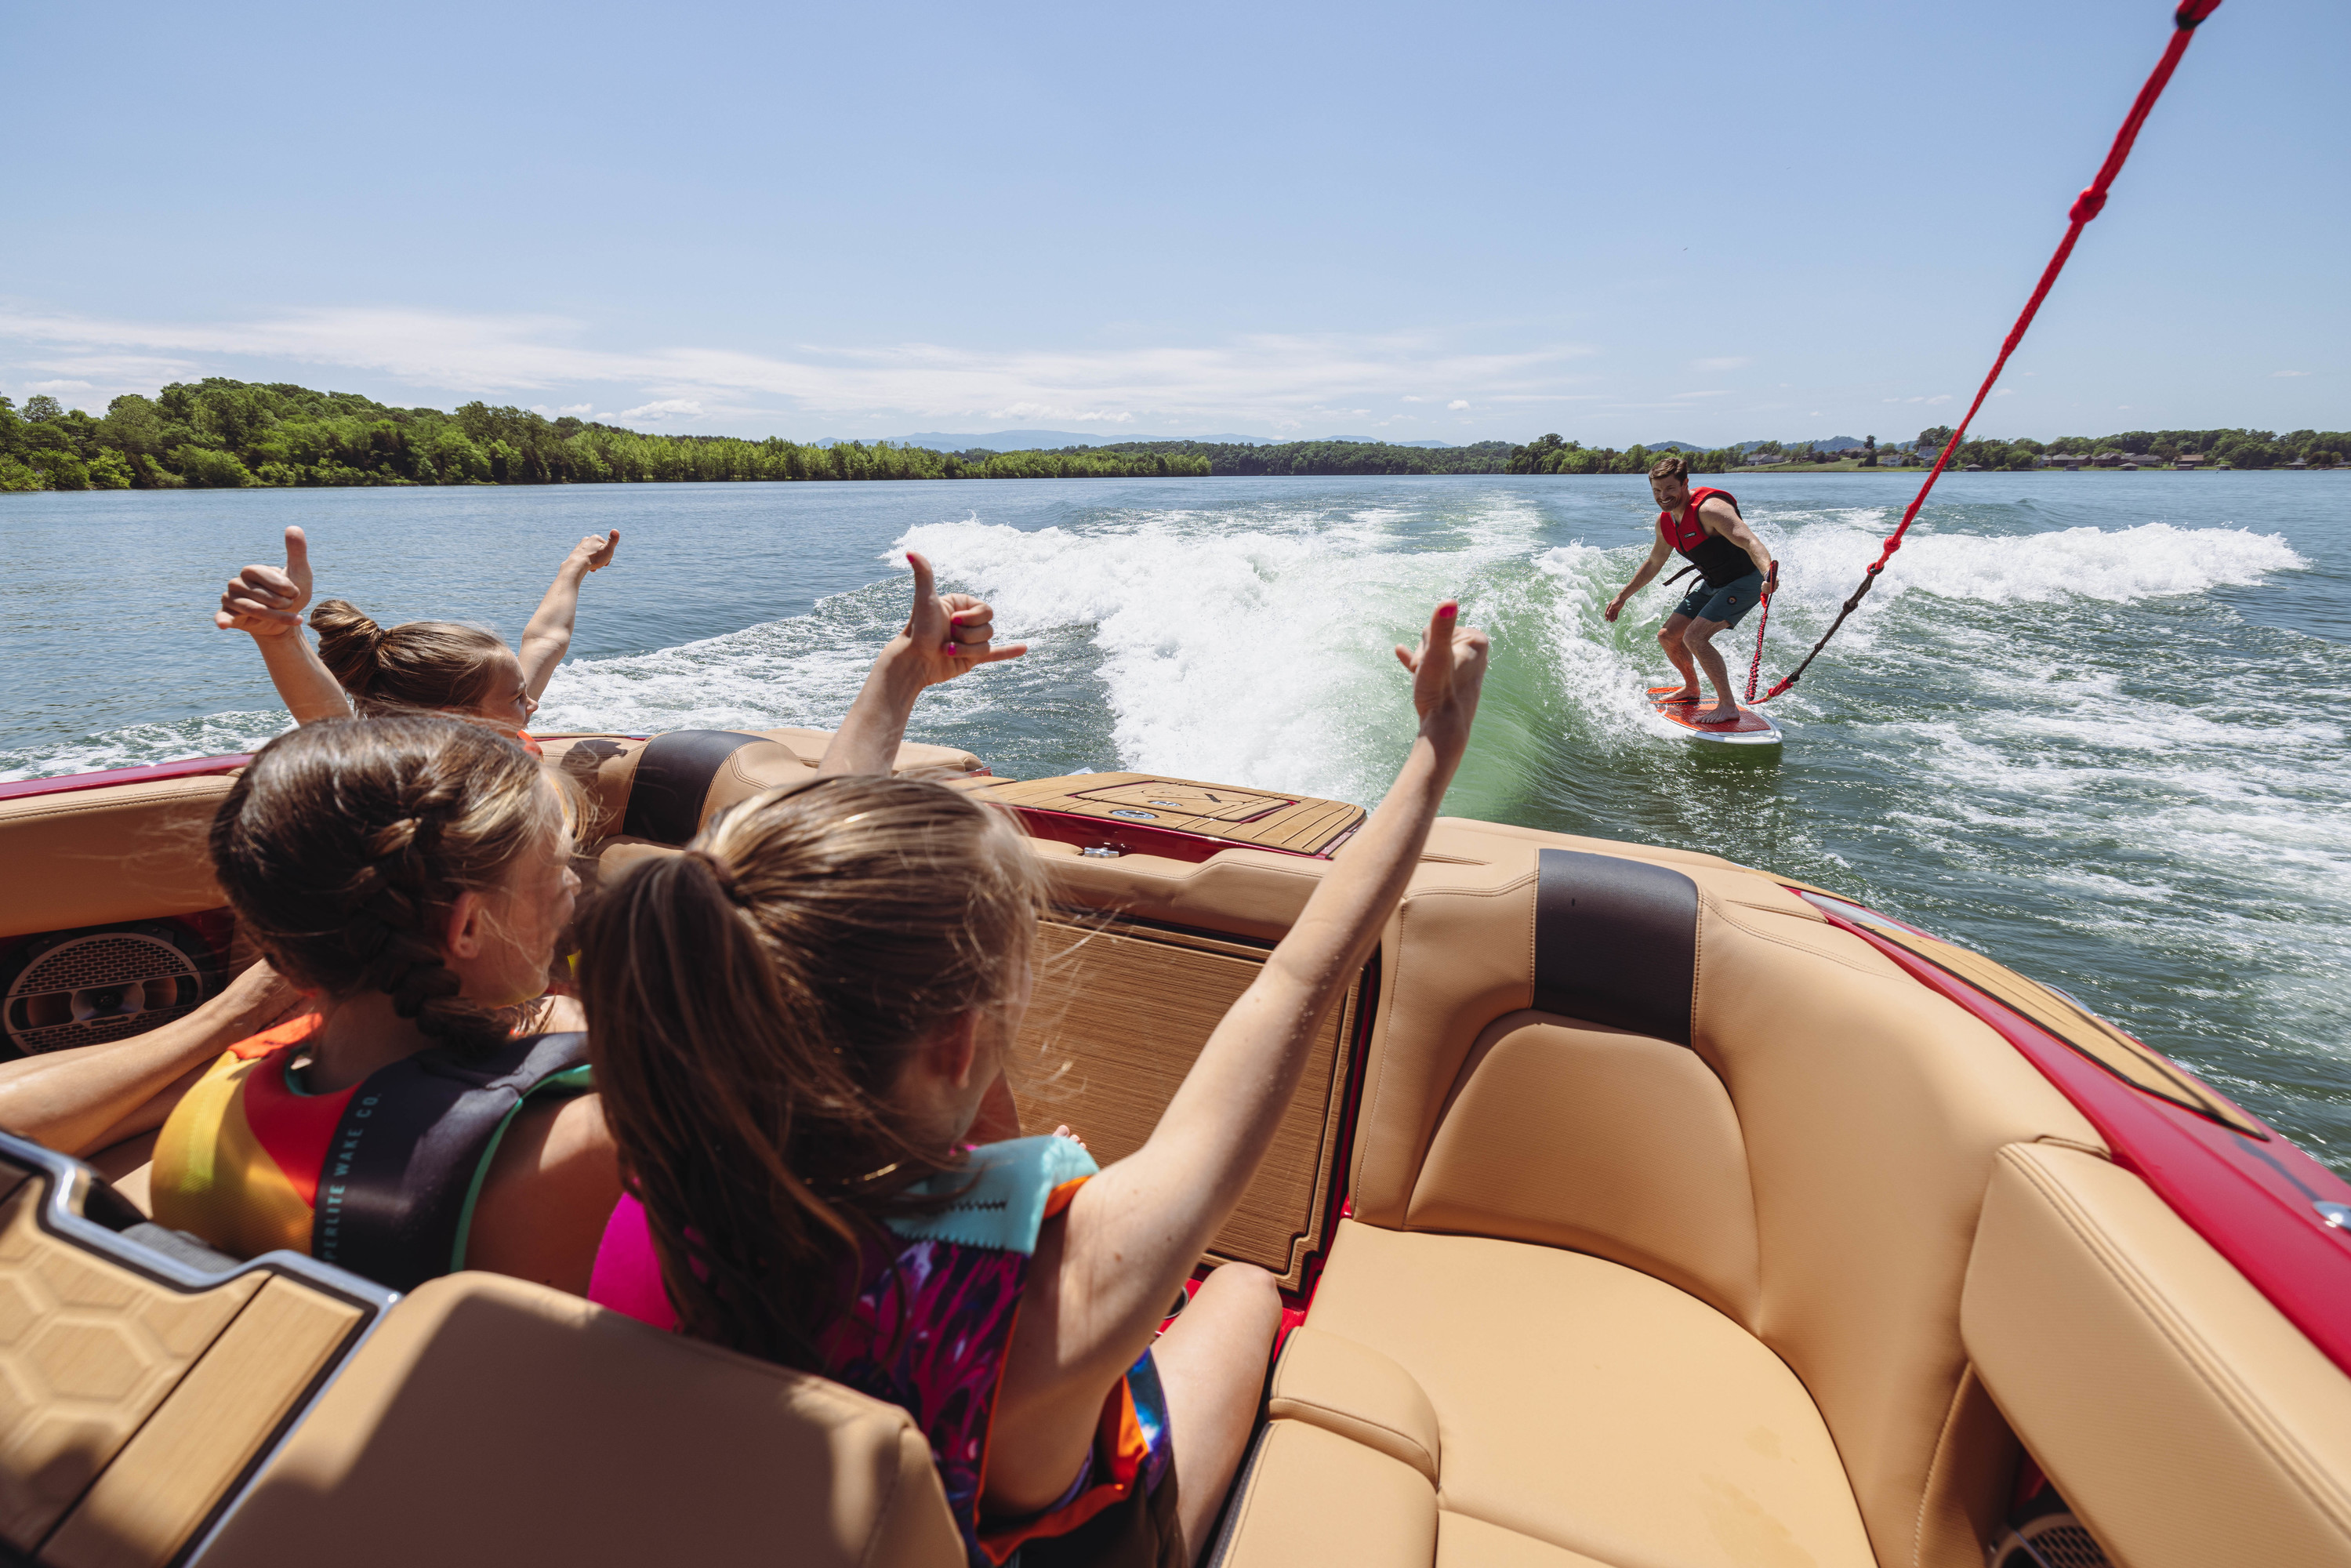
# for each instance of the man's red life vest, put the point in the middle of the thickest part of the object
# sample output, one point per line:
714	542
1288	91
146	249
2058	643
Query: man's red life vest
1717	559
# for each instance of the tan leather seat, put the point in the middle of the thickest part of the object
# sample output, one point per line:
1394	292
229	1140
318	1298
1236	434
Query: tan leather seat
1563	1399
492	1421
1673	1283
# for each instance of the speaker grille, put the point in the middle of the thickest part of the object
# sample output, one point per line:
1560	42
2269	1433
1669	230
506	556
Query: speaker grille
96	986
2053	1540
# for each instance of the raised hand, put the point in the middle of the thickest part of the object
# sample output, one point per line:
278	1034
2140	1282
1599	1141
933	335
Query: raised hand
594	553
1447	670
265	600
949	634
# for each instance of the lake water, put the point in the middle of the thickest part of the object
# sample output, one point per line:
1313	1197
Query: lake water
2091	724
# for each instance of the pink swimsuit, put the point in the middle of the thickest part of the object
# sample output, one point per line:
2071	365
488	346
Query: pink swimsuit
929	1327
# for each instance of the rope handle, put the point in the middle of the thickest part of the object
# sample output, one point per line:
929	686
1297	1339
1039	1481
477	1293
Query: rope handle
2086	206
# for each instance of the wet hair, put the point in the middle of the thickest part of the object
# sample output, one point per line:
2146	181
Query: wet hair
751	1004
420	666
1674	467
342	846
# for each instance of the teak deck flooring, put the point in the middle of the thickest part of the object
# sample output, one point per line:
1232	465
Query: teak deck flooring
1267	819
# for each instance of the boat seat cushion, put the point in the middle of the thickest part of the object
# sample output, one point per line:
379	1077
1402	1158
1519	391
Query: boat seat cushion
533	1427
1582	1411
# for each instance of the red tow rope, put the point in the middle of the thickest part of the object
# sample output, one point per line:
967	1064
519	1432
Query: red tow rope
2085	207
1755	665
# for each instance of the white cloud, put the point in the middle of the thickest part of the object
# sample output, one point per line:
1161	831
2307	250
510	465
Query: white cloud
2276	373
56	387
667	408
2003	392
577	410
1296	378
1726	363
1410	399
1718	393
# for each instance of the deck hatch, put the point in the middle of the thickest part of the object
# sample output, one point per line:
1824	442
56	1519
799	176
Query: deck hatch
1122	1009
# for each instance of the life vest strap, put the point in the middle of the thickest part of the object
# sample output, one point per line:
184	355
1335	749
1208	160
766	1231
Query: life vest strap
402	1163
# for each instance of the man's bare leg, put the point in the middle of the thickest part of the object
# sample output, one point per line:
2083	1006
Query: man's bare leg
1699	640
1669	638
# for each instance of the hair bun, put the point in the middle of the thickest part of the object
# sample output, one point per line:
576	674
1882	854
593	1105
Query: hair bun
348	640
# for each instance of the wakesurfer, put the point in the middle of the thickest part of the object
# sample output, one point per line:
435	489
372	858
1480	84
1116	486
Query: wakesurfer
1734	569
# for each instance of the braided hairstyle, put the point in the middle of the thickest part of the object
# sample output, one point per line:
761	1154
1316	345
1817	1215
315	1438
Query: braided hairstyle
420	666
344	845
751	1004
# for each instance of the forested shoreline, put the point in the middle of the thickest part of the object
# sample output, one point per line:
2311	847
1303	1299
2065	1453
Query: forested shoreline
225	434
219	434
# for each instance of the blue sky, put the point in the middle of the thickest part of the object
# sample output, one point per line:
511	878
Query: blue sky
1680	220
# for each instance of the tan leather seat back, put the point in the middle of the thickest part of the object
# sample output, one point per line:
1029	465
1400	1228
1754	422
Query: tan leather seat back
93	857
1640	1132
1806	1111
491	1421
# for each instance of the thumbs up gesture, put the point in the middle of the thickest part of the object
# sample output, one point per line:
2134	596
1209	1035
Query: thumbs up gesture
265	600
947	633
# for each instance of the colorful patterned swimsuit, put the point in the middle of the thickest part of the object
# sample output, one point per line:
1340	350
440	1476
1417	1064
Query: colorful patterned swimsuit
929	1329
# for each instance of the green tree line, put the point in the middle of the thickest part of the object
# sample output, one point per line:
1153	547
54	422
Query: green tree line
222	434
1325	457
1550	455
2237	448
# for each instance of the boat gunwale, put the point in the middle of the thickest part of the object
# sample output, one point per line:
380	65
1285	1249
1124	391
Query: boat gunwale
2249	1202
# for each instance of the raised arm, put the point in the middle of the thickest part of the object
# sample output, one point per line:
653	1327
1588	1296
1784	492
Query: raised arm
80	1100
1135	1232
1658	552
549	636
944	635
1724	518
267	603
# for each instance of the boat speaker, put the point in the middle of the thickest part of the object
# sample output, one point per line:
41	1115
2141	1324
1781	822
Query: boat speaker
2053	1540
103	983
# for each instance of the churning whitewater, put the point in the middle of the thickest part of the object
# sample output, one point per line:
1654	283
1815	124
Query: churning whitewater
2087	723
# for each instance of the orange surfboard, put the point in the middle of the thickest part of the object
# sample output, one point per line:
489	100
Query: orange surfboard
1752	729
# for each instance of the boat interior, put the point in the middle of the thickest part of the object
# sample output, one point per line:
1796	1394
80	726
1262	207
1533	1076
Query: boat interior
1640	1209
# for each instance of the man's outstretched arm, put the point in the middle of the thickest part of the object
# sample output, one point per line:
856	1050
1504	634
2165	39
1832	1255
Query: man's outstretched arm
1657	554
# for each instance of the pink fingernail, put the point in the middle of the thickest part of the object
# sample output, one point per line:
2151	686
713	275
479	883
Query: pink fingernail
1449	611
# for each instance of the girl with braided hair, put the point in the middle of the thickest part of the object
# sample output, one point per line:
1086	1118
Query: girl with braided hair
422	666
795	1024
414	874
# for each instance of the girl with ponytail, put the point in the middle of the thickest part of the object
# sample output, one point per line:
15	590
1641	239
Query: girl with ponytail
794	1023
422	666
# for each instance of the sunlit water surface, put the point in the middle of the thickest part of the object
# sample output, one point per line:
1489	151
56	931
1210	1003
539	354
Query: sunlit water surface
2091	724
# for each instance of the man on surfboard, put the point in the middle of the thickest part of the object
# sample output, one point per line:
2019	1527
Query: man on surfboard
1732	565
